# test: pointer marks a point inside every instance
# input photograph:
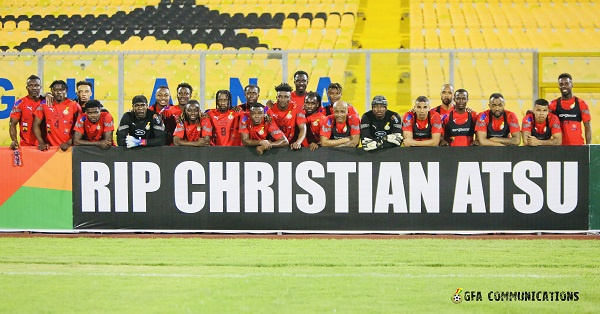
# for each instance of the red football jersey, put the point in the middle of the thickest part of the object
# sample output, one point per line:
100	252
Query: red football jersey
434	118
352	122
572	131
189	132
459	119
288	119
261	131
443	112
540	128
24	110
313	128
94	131
483	119
60	120
297	99
224	128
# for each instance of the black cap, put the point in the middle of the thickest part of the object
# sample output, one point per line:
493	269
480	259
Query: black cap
379	100
139	98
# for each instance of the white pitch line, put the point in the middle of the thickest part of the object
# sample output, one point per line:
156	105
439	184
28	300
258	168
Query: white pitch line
13	273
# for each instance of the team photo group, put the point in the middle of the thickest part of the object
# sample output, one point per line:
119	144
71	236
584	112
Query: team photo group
296	119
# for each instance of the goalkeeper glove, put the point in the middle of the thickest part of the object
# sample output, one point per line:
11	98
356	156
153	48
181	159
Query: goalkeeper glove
133	142
369	144
394	138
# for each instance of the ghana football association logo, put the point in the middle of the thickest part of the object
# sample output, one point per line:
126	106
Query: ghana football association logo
457	297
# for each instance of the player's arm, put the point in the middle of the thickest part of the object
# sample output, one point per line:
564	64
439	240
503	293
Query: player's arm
281	142
433	141
327	142
530	140
178	141
123	130
79	141
484	141
38	133
525	136
12	131
160	135
247	141
514	140
588	132
301	137
353	141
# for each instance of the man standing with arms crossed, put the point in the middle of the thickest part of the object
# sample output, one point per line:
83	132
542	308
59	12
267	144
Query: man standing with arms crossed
571	111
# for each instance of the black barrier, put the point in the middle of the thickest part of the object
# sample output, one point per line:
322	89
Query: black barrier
420	189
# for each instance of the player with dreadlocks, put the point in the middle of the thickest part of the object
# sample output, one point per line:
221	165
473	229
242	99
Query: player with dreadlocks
191	129
314	118
224	122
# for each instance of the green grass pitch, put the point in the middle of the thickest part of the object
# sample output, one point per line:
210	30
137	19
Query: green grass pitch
180	275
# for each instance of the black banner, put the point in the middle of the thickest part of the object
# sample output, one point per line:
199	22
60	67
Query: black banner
331	189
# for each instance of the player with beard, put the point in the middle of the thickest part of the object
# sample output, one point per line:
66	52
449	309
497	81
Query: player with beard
171	114
255	131
189	128
540	127
300	81
379	127
22	113
312	103
95	127
288	116
340	129
224	122
140	126
497	126
422	126
446	97
162	96
459	124
60	118
571	112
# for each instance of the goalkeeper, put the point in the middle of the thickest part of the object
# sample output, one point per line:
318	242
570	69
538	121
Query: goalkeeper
140	126
379	127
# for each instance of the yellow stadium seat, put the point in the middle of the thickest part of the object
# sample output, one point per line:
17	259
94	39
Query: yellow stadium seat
318	24
200	46
289	24
333	21
10	26
228	56
303	24
215	46
78	47
347	21
23	26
